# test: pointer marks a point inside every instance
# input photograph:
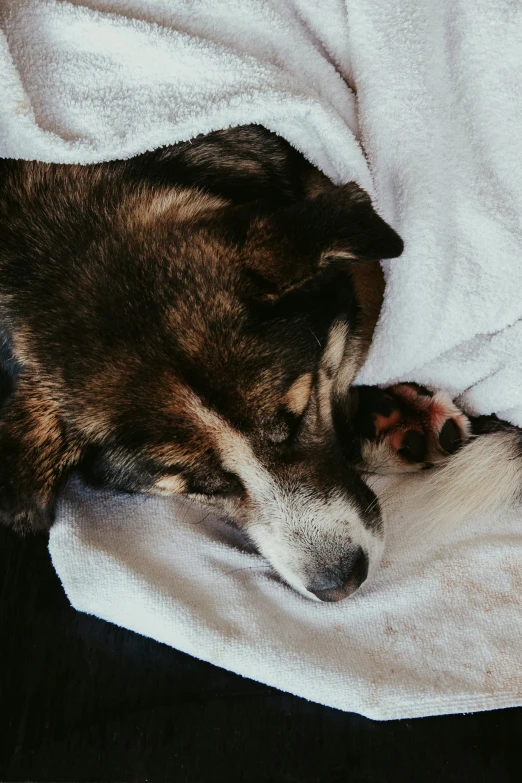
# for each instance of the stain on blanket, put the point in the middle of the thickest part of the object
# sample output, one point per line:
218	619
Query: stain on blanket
459	576
503	673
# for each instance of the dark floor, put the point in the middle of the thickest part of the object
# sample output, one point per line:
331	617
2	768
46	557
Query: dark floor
82	700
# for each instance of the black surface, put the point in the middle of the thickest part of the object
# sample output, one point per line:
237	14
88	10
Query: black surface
82	700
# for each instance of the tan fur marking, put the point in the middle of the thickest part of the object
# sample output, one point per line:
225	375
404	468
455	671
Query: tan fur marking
169	485
350	366
330	364
187	204
296	398
327	257
334	351
22	345
234	449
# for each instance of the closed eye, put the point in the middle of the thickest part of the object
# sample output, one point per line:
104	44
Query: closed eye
218	486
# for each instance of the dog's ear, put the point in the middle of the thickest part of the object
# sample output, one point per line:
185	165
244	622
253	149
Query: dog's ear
288	247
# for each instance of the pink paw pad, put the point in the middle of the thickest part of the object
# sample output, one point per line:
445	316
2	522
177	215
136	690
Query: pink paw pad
407	425
444	425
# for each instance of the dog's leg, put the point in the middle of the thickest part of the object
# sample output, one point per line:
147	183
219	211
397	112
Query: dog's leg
406	428
35	456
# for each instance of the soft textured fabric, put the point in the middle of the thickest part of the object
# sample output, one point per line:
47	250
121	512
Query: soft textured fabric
437	629
438	114
420	103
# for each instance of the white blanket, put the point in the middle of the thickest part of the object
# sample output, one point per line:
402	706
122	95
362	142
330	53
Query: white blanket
438	113
437	630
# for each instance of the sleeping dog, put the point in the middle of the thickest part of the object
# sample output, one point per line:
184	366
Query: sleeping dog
189	322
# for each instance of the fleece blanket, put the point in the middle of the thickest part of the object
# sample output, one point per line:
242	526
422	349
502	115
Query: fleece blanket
420	103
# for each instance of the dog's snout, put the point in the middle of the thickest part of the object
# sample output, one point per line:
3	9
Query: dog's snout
332	594
338	582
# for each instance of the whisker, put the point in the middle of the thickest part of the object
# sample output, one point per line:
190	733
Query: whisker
202	519
316	338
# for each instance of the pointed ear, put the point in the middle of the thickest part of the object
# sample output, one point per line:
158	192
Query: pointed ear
288	247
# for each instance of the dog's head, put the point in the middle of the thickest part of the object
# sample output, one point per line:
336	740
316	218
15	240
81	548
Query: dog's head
193	344
224	382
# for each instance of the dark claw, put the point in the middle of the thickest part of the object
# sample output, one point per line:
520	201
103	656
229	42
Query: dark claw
413	446
450	437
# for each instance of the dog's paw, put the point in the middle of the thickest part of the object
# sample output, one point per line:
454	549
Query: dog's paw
406	428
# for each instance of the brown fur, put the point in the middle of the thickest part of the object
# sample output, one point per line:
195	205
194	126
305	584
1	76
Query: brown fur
153	310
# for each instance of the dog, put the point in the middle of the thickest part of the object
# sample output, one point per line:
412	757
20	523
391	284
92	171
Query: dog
190	322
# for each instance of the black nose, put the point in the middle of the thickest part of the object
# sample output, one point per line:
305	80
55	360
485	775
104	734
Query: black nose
338	582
